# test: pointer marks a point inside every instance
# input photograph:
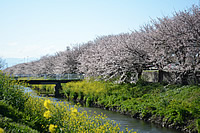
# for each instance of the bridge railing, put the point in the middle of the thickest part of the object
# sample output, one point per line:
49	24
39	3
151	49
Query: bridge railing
48	76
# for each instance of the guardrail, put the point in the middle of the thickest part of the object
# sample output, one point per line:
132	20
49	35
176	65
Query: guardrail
49	76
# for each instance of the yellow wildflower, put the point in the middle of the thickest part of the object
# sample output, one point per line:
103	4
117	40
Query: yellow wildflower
74	110
52	128
1	130
47	114
47	104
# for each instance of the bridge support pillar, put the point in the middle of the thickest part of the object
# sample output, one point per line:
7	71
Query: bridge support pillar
58	87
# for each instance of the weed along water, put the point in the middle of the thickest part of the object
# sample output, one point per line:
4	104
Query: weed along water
125	121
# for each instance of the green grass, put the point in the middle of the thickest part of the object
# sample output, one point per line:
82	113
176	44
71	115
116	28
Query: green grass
172	105
11	119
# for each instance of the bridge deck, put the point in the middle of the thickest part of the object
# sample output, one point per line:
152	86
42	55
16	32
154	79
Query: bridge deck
48	76
32	81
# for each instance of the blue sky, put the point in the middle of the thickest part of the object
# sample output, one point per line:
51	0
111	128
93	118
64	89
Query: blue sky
34	28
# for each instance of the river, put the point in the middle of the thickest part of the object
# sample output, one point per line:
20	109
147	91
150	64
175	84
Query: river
125	121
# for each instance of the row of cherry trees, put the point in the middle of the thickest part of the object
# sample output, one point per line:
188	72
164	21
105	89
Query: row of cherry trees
169	43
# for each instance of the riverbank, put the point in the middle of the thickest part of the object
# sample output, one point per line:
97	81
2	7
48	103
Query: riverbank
23	112
170	106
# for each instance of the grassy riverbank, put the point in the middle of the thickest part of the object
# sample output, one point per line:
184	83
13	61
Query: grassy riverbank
43	89
171	106
20	112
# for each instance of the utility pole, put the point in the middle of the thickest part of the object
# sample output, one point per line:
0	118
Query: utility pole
27	59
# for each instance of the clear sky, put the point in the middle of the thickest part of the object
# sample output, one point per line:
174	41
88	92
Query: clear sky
34	28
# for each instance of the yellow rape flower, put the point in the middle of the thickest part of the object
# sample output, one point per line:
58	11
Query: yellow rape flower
1	130
52	128
74	110
47	114
47	104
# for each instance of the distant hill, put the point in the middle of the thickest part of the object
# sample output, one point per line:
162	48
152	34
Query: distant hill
14	61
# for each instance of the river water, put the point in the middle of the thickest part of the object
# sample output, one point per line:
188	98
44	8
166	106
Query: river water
125	121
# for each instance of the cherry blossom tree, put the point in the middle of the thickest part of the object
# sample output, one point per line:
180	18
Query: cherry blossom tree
170	44
176	37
